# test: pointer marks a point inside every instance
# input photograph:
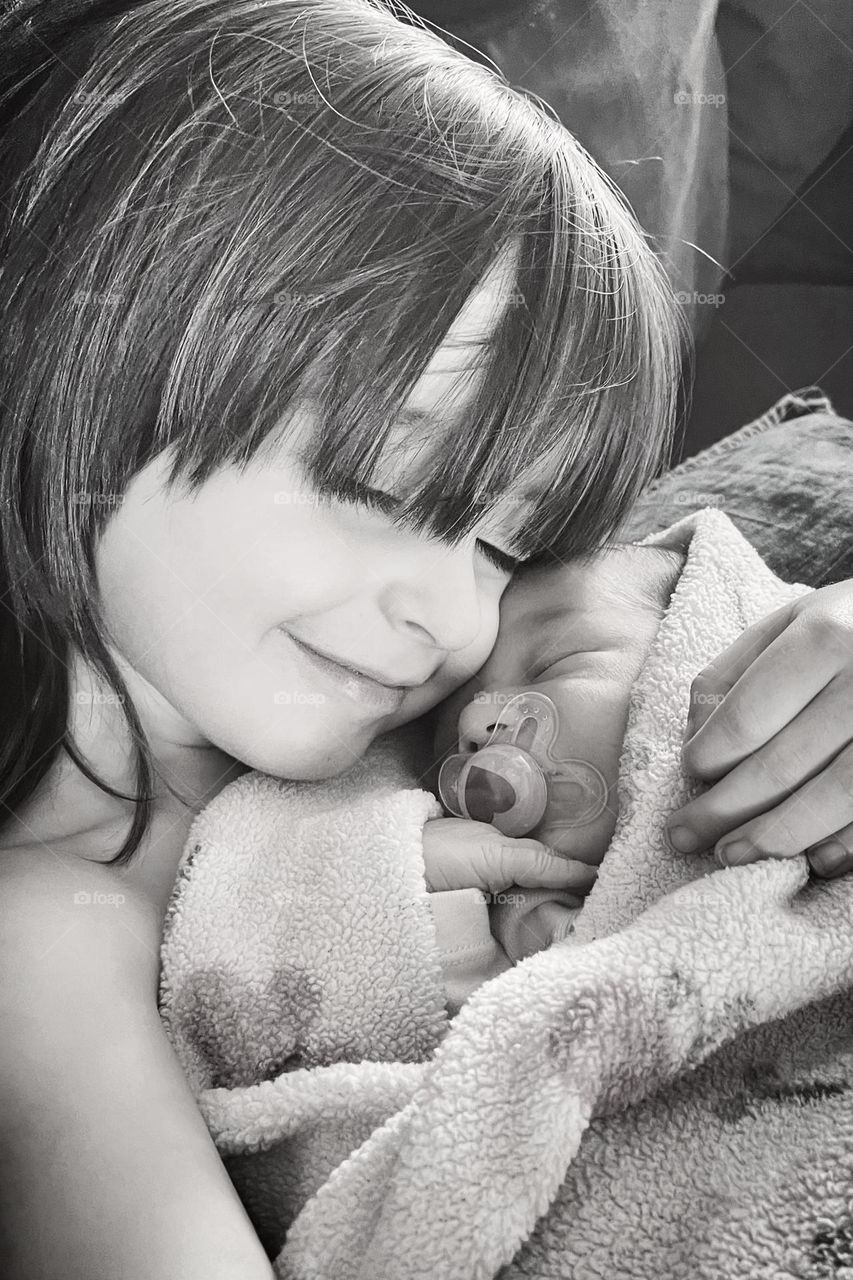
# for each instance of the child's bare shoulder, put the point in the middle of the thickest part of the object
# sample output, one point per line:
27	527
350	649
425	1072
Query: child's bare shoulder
63	869
75	925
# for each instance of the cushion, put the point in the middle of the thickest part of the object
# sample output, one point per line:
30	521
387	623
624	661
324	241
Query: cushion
782	480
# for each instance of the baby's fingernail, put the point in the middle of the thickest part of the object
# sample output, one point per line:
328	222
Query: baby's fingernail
731	855
683	840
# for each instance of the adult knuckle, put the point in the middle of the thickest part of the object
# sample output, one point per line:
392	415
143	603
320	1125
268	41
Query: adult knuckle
778	838
712	811
841	768
828	631
741	724
783	766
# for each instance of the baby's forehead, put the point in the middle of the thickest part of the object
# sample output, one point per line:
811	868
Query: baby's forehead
617	598
615	581
623	577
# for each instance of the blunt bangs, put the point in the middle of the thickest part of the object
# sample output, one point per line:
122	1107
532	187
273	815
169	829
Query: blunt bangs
580	372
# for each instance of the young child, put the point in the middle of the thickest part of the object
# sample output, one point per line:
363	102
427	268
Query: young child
583	647
312	330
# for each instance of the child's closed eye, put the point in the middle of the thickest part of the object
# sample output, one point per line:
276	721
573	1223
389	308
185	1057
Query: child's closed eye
501	559
378	500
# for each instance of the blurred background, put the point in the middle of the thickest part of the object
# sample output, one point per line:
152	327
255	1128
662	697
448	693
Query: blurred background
729	126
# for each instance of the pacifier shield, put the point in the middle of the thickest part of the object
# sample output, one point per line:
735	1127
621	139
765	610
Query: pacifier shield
500	784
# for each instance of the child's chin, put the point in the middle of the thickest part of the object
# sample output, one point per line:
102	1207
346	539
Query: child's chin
313	761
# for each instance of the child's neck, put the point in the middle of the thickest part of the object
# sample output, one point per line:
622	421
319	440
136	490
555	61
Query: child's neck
69	809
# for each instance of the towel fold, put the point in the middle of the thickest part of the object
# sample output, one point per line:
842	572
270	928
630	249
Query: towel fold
663	1093
470	953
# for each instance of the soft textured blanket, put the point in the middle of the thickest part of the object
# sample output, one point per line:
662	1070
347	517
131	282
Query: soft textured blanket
663	1094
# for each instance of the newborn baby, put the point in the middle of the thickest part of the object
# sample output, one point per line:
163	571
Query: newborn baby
584	651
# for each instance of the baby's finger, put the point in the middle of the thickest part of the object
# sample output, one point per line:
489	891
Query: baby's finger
459	854
533	865
551	868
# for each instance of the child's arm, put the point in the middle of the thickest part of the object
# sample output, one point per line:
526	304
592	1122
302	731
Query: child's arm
106	1167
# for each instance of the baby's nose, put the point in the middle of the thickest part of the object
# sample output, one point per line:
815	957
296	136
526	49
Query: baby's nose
478	720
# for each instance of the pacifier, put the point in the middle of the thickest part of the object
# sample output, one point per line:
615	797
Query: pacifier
511	778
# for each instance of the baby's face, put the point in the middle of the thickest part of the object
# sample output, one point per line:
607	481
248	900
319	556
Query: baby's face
582	640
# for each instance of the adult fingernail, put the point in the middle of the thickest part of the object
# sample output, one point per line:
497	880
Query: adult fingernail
731	855
683	839
828	858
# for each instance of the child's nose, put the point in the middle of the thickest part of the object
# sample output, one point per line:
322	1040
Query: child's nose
477	722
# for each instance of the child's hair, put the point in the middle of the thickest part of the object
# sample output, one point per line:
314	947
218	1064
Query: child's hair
219	207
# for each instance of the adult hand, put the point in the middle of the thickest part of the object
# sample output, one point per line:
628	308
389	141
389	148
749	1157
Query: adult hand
772	730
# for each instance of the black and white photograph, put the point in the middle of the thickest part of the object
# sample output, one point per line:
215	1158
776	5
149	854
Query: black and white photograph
426	640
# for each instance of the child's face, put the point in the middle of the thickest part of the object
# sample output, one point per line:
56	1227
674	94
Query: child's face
585	654
217	602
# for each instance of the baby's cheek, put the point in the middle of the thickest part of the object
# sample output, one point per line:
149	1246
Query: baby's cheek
585	839
582	801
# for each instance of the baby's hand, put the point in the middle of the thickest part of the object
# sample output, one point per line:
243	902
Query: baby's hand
460	854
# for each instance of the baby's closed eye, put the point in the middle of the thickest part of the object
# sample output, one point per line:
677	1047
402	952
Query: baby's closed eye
581	665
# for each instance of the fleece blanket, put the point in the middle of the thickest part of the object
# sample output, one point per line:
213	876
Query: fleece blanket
664	1093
